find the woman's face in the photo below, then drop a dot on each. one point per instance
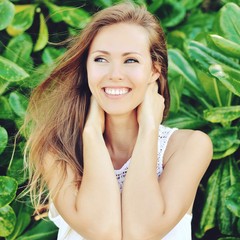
(119, 67)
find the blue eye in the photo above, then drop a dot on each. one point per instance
(131, 60)
(100, 59)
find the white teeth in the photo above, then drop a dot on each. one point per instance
(116, 91)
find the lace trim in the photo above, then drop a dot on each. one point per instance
(163, 137)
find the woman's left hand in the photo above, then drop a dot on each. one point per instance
(150, 111)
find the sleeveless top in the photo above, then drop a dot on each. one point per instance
(182, 231)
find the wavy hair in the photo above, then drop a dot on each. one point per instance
(58, 106)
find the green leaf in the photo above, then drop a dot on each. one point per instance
(42, 36)
(3, 86)
(223, 139)
(229, 177)
(42, 230)
(233, 199)
(176, 87)
(185, 122)
(10, 71)
(3, 139)
(180, 65)
(208, 217)
(6, 13)
(22, 20)
(24, 214)
(222, 114)
(215, 212)
(228, 47)
(50, 54)
(8, 220)
(6, 111)
(75, 17)
(171, 13)
(204, 56)
(229, 77)
(19, 50)
(189, 4)
(8, 188)
(228, 22)
(16, 170)
(228, 238)
(228, 152)
(18, 103)
(155, 4)
(214, 89)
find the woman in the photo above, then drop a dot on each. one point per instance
(96, 124)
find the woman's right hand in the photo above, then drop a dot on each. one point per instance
(95, 118)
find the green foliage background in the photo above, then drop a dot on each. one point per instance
(204, 51)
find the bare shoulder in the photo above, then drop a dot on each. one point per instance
(190, 141)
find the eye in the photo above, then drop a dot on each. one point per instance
(131, 60)
(100, 59)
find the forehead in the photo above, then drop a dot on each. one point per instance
(121, 37)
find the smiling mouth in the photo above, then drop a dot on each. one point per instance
(116, 91)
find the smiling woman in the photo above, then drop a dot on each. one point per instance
(112, 170)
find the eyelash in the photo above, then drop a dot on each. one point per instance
(100, 59)
(130, 60)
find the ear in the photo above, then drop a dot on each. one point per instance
(156, 71)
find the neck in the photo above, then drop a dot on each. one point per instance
(120, 137)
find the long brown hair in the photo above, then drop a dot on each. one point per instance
(58, 107)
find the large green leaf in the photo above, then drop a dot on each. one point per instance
(16, 170)
(19, 51)
(189, 4)
(6, 111)
(222, 114)
(228, 152)
(6, 13)
(18, 103)
(3, 139)
(208, 218)
(204, 56)
(214, 89)
(229, 177)
(176, 84)
(10, 71)
(229, 238)
(233, 199)
(171, 13)
(42, 35)
(24, 212)
(42, 230)
(8, 220)
(185, 122)
(180, 65)
(50, 54)
(215, 212)
(228, 47)
(223, 138)
(3, 86)
(229, 77)
(22, 20)
(75, 17)
(228, 22)
(8, 188)
(155, 4)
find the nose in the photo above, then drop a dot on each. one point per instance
(115, 72)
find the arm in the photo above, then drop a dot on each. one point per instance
(152, 206)
(94, 212)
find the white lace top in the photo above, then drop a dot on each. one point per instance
(182, 231)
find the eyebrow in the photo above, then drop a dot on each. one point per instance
(124, 54)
